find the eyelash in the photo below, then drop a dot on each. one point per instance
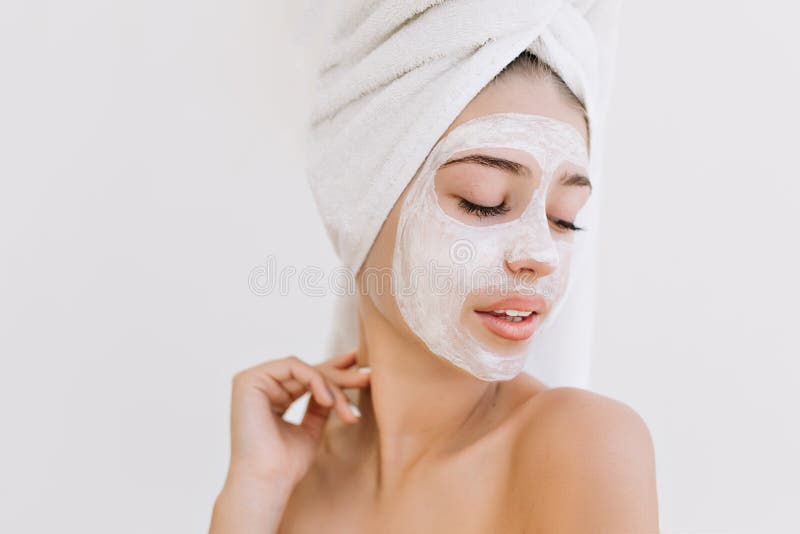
(567, 225)
(501, 209)
(483, 211)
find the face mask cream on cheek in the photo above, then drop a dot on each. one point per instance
(440, 263)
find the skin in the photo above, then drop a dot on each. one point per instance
(436, 449)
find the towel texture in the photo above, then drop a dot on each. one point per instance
(396, 75)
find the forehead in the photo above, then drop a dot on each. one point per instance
(550, 141)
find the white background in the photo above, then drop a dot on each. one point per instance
(151, 157)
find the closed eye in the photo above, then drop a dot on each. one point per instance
(483, 211)
(567, 225)
(501, 209)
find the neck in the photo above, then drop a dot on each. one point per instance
(418, 405)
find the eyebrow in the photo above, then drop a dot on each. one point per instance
(576, 179)
(490, 161)
(514, 167)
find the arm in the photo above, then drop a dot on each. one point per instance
(250, 505)
(596, 466)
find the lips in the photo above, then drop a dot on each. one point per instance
(515, 318)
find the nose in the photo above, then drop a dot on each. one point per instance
(537, 263)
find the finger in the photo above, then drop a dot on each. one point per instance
(266, 385)
(347, 378)
(342, 406)
(289, 369)
(295, 388)
(294, 375)
(279, 398)
(310, 377)
(315, 417)
(342, 361)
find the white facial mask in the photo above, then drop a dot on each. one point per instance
(439, 260)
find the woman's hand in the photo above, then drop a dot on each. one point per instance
(269, 456)
(264, 447)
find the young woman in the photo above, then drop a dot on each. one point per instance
(455, 443)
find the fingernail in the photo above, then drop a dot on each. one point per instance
(354, 409)
(364, 370)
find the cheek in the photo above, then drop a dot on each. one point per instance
(375, 280)
(554, 285)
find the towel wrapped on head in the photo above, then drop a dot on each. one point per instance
(393, 80)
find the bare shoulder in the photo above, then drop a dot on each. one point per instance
(568, 413)
(580, 450)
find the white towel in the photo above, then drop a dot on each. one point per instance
(395, 77)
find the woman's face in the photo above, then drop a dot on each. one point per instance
(480, 242)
